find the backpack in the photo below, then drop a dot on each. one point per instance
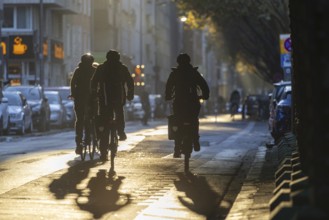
(185, 86)
(111, 84)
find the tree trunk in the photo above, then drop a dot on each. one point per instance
(310, 39)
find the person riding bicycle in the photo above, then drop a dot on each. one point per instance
(81, 93)
(110, 82)
(182, 87)
(234, 102)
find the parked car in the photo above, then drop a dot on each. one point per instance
(277, 95)
(38, 102)
(57, 109)
(282, 120)
(4, 114)
(134, 109)
(20, 113)
(64, 92)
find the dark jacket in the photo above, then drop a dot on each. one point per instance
(80, 82)
(185, 84)
(113, 83)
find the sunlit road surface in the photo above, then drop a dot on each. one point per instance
(41, 177)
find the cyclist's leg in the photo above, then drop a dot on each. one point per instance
(79, 111)
(177, 148)
(87, 125)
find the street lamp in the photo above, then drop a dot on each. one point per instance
(41, 80)
(182, 20)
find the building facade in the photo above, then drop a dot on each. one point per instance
(148, 34)
(144, 32)
(42, 40)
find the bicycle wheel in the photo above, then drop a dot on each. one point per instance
(90, 150)
(84, 152)
(113, 145)
(93, 147)
(187, 150)
(93, 143)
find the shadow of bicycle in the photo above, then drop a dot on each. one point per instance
(102, 196)
(199, 197)
(99, 195)
(67, 183)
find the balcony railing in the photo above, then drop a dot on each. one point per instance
(61, 5)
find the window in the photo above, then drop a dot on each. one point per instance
(8, 21)
(17, 17)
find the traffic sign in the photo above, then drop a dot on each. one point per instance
(286, 60)
(285, 43)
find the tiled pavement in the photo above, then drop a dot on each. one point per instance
(253, 200)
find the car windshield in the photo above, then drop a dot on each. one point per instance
(14, 100)
(52, 98)
(30, 93)
(64, 94)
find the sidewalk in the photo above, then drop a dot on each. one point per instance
(256, 192)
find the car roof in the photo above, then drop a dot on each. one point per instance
(51, 92)
(12, 92)
(17, 93)
(282, 83)
(24, 86)
(57, 88)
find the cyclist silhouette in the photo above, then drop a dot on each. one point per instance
(81, 93)
(113, 84)
(183, 85)
(234, 103)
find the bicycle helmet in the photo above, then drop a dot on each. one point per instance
(87, 58)
(113, 55)
(183, 58)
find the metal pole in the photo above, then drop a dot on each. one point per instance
(2, 60)
(41, 73)
(141, 32)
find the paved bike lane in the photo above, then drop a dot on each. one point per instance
(164, 197)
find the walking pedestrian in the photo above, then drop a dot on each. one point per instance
(145, 100)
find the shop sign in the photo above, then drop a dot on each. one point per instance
(21, 47)
(57, 50)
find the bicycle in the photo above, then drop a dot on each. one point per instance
(92, 146)
(182, 132)
(91, 123)
(186, 142)
(114, 143)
